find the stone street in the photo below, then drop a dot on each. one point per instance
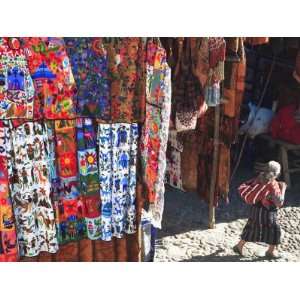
(185, 237)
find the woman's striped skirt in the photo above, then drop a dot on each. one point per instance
(262, 226)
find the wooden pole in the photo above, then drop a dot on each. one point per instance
(211, 207)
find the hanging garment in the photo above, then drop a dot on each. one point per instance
(71, 210)
(284, 125)
(189, 161)
(8, 239)
(30, 189)
(51, 72)
(89, 61)
(89, 175)
(155, 130)
(215, 56)
(117, 171)
(16, 86)
(186, 91)
(254, 41)
(127, 71)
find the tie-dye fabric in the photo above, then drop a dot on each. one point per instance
(16, 86)
(89, 175)
(89, 63)
(30, 189)
(117, 171)
(127, 71)
(8, 239)
(71, 210)
(53, 79)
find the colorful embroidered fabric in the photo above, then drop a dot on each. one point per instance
(30, 189)
(127, 76)
(53, 78)
(89, 175)
(71, 210)
(16, 86)
(155, 130)
(89, 63)
(8, 239)
(117, 171)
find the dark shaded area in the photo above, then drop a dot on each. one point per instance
(214, 257)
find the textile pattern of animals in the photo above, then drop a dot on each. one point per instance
(117, 171)
(8, 239)
(30, 189)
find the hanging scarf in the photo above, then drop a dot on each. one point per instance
(71, 210)
(53, 79)
(88, 175)
(155, 130)
(186, 90)
(89, 61)
(127, 76)
(117, 177)
(8, 240)
(30, 189)
(16, 86)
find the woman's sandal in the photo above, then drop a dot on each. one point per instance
(237, 250)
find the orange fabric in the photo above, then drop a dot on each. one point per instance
(254, 41)
(86, 250)
(104, 251)
(68, 253)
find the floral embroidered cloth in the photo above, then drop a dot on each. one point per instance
(155, 130)
(89, 175)
(70, 208)
(89, 63)
(53, 79)
(127, 76)
(117, 171)
(30, 189)
(8, 240)
(16, 86)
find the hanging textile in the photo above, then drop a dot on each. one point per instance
(8, 240)
(186, 89)
(173, 171)
(70, 211)
(210, 68)
(88, 175)
(117, 171)
(53, 80)
(16, 86)
(30, 189)
(89, 61)
(127, 77)
(254, 41)
(154, 135)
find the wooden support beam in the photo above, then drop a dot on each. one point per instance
(214, 174)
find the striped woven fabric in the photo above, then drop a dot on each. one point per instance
(253, 191)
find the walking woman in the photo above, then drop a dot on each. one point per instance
(266, 195)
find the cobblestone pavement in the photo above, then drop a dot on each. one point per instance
(185, 237)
